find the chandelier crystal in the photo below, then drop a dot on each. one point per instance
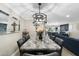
(39, 17)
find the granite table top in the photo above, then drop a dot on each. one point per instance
(47, 43)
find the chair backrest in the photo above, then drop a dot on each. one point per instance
(50, 54)
(59, 41)
(52, 37)
(21, 41)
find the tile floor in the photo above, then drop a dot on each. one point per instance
(66, 52)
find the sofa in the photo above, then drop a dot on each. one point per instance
(71, 44)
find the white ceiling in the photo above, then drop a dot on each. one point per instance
(56, 12)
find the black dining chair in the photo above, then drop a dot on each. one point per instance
(21, 41)
(60, 43)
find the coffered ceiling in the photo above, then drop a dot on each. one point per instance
(56, 12)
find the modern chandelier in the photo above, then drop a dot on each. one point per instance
(39, 17)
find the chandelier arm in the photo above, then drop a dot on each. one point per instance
(39, 7)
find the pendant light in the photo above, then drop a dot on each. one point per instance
(39, 17)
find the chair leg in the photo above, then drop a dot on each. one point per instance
(61, 51)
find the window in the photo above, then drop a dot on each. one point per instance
(3, 27)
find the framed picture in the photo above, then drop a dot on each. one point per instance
(15, 24)
(64, 27)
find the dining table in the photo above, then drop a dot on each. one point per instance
(35, 45)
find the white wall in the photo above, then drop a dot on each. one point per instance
(74, 30)
(31, 28)
(8, 42)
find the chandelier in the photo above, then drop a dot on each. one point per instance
(39, 17)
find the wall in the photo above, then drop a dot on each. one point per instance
(8, 42)
(29, 26)
(74, 30)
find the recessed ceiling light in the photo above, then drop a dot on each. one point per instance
(67, 16)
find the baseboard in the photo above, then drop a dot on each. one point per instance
(15, 53)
